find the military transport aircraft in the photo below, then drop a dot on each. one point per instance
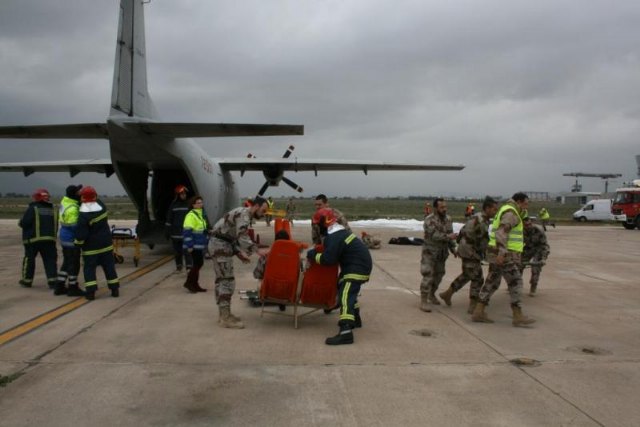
(148, 152)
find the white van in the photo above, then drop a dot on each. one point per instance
(595, 210)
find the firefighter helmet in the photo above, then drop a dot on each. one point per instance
(324, 217)
(88, 194)
(41, 195)
(181, 189)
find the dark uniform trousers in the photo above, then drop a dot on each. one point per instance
(180, 253)
(48, 251)
(348, 301)
(70, 265)
(108, 264)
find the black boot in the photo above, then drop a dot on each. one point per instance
(75, 291)
(90, 295)
(189, 286)
(115, 292)
(345, 336)
(358, 322)
(60, 289)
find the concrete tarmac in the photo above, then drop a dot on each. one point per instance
(156, 356)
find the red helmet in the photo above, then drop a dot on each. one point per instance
(88, 194)
(181, 189)
(41, 195)
(324, 216)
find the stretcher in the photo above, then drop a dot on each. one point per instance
(285, 283)
(123, 237)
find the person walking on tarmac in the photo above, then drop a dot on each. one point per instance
(536, 251)
(545, 217)
(173, 226)
(230, 237)
(290, 211)
(195, 237)
(93, 236)
(472, 246)
(39, 228)
(343, 247)
(439, 240)
(271, 205)
(506, 244)
(69, 213)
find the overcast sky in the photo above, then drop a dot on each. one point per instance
(518, 91)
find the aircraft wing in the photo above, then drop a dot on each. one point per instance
(174, 130)
(73, 167)
(70, 131)
(204, 130)
(315, 165)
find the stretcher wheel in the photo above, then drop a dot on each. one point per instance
(327, 310)
(136, 260)
(282, 307)
(118, 258)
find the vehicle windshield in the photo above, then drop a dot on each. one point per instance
(626, 197)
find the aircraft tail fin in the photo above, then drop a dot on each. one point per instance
(130, 95)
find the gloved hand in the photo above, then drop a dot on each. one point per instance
(243, 257)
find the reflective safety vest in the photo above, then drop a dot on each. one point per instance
(194, 230)
(544, 214)
(515, 239)
(69, 213)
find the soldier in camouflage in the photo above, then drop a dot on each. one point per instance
(536, 251)
(473, 239)
(229, 238)
(506, 244)
(322, 202)
(439, 240)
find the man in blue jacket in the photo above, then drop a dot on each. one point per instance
(341, 246)
(69, 213)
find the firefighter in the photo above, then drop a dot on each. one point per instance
(39, 227)
(173, 226)
(93, 236)
(343, 247)
(69, 212)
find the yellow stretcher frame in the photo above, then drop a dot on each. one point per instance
(123, 237)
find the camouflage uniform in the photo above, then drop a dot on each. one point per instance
(473, 240)
(510, 269)
(290, 211)
(315, 228)
(435, 251)
(536, 250)
(229, 237)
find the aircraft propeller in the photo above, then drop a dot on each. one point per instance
(275, 174)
